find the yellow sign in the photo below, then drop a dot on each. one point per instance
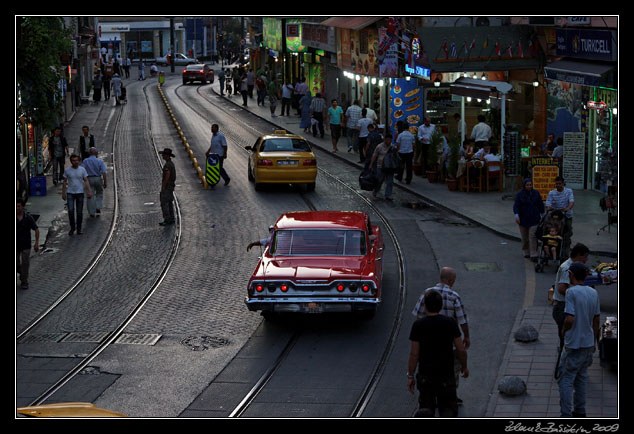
(544, 179)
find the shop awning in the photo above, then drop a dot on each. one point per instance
(478, 88)
(352, 23)
(577, 72)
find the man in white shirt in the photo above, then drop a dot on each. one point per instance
(481, 133)
(426, 131)
(75, 184)
(405, 147)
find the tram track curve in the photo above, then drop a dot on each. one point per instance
(111, 336)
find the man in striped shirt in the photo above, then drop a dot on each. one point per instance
(562, 198)
(451, 307)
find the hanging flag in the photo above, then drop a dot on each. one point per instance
(486, 42)
(444, 47)
(510, 49)
(521, 52)
(497, 48)
(453, 50)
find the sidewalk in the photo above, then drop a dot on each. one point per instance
(48, 208)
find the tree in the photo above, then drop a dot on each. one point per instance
(40, 44)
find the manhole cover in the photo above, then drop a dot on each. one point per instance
(481, 266)
(202, 343)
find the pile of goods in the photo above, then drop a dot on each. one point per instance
(603, 274)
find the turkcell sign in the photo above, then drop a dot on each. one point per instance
(418, 71)
(587, 44)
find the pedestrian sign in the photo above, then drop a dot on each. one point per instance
(212, 173)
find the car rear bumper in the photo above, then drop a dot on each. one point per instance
(312, 305)
(285, 176)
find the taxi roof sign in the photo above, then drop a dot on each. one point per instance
(279, 132)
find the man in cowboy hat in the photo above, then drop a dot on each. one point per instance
(167, 188)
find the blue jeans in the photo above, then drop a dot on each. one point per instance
(573, 380)
(75, 205)
(386, 176)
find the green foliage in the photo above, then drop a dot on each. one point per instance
(454, 156)
(40, 43)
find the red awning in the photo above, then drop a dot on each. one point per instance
(353, 23)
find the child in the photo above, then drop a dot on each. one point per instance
(553, 240)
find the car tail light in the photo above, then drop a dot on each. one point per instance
(284, 288)
(365, 288)
(310, 162)
(340, 287)
(259, 288)
(265, 163)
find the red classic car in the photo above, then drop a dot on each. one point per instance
(319, 261)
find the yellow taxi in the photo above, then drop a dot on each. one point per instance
(67, 409)
(282, 158)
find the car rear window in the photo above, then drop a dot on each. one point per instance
(319, 242)
(284, 144)
(194, 67)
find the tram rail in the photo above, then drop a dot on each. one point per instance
(376, 374)
(114, 334)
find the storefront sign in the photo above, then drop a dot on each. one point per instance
(418, 71)
(544, 173)
(574, 159)
(406, 104)
(294, 36)
(587, 44)
(272, 33)
(320, 37)
(387, 53)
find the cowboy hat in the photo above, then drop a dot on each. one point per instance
(167, 151)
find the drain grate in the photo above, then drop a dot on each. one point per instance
(202, 343)
(46, 337)
(85, 337)
(481, 266)
(138, 339)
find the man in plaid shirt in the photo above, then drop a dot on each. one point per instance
(452, 307)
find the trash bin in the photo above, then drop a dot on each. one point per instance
(38, 186)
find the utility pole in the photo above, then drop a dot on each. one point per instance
(172, 44)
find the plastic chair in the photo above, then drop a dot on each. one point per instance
(495, 174)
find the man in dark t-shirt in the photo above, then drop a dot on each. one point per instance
(432, 341)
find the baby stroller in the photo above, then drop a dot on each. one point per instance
(550, 239)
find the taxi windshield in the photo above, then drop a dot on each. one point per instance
(283, 144)
(319, 242)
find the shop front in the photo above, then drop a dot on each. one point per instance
(360, 70)
(485, 71)
(583, 106)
